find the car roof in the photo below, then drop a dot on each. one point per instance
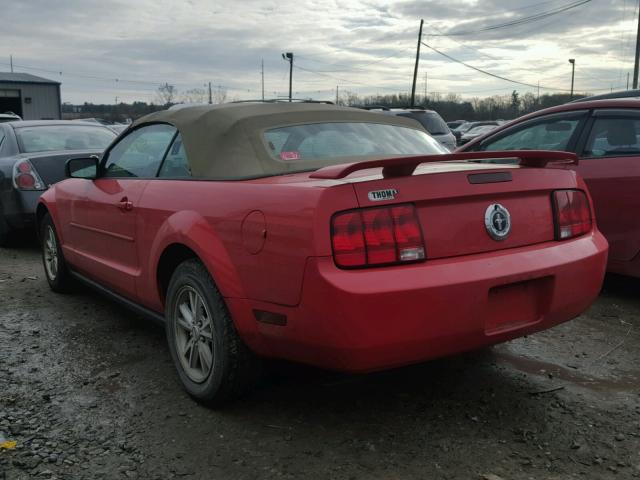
(43, 123)
(412, 110)
(225, 141)
(587, 105)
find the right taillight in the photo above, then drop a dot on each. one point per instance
(376, 236)
(572, 213)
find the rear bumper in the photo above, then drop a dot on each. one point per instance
(19, 207)
(364, 320)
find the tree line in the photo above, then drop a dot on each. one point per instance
(451, 106)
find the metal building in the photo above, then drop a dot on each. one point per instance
(31, 97)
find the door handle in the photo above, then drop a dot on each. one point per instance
(125, 205)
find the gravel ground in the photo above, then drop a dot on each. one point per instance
(87, 390)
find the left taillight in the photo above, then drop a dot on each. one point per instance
(371, 237)
(572, 213)
(25, 176)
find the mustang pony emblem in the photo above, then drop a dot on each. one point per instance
(497, 221)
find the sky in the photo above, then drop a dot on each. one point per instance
(101, 50)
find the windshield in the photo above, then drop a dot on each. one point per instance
(47, 138)
(330, 141)
(431, 121)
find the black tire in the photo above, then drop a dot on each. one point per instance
(234, 368)
(59, 278)
(6, 235)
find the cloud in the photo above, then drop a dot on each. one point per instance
(366, 46)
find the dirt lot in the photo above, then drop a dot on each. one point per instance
(87, 390)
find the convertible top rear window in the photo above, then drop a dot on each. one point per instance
(339, 140)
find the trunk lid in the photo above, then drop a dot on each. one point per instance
(452, 200)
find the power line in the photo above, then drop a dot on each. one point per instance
(344, 81)
(489, 73)
(116, 80)
(359, 67)
(520, 21)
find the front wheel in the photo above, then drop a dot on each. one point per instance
(55, 267)
(213, 362)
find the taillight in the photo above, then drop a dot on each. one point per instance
(572, 213)
(377, 236)
(25, 177)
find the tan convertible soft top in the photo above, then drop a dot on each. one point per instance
(226, 141)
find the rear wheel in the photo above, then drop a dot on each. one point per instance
(213, 362)
(55, 267)
(6, 235)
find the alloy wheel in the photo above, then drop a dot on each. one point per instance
(194, 334)
(51, 254)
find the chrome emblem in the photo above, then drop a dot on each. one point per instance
(381, 195)
(497, 220)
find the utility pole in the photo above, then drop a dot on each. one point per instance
(572, 61)
(289, 56)
(11, 62)
(262, 72)
(337, 94)
(415, 70)
(210, 96)
(116, 100)
(635, 65)
(627, 80)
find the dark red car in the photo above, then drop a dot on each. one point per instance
(605, 134)
(322, 235)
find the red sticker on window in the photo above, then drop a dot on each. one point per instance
(294, 155)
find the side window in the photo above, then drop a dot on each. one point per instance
(550, 134)
(175, 164)
(613, 137)
(140, 153)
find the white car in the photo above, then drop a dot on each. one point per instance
(429, 119)
(9, 117)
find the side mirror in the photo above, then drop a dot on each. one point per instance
(82, 167)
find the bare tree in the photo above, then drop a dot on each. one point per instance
(453, 98)
(195, 95)
(167, 94)
(219, 95)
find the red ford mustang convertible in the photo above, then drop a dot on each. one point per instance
(331, 236)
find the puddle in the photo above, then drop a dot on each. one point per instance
(625, 383)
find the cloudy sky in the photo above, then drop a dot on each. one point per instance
(103, 49)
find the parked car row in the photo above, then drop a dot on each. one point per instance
(325, 235)
(467, 131)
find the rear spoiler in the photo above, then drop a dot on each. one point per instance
(405, 166)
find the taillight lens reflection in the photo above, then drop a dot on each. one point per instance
(377, 236)
(573, 213)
